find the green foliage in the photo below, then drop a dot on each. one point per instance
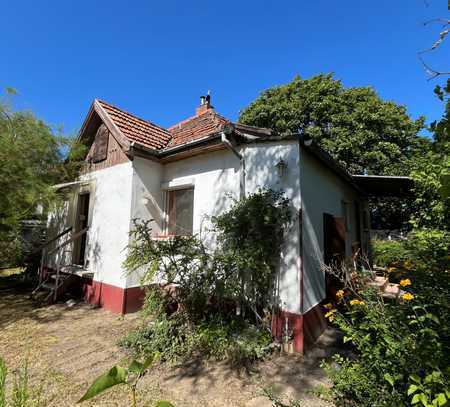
(118, 375)
(31, 161)
(176, 338)
(396, 343)
(250, 235)
(276, 399)
(431, 173)
(360, 130)
(212, 302)
(22, 394)
(389, 252)
(3, 373)
(430, 247)
(431, 204)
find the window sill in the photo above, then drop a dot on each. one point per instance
(168, 237)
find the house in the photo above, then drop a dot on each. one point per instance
(179, 176)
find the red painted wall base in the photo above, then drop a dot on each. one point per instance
(116, 299)
(305, 328)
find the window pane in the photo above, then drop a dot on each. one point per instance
(181, 211)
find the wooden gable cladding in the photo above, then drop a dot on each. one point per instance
(100, 151)
(104, 145)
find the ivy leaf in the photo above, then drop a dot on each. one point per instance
(441, 399)
(116, 375)
(415, 378)
(389, 379)
(416, 398)
(412, 389)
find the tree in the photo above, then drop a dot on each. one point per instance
(363, 132)
(431, 206)
(31, 161)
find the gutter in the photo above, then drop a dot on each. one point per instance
(242, 172)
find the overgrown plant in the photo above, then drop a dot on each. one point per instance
(118, 375)
(402, 348)
(22, 394)
(212, 301)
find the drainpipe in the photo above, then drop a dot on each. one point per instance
(227, 142)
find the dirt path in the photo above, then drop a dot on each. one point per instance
(67, 348)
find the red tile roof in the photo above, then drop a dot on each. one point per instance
(205, 123)
(135, 129)
(196, 127)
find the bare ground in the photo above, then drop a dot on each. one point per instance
(67, 348)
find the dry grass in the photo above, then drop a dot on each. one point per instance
(67, 348)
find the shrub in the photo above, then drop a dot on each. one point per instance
(222, 294)
(389, 252)
(396, 344)
(429, 247)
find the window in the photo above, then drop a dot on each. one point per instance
(180, 210)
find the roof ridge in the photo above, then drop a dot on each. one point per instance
(133, 115)
(210, 111)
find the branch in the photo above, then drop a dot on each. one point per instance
(430, 71)
(442, 35)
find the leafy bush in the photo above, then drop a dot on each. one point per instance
(389, 252)
(402, 349)
(429, 247)
(176, 339)
(212, 302)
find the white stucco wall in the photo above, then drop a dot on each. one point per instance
(109, 222)
(322, 192)
(261, 160)
(216, 180)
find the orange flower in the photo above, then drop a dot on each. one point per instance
(405, 282)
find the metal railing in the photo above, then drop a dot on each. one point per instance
(46, 253)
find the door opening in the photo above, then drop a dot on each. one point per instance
(81, 222)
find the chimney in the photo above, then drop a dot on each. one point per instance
(205, 104)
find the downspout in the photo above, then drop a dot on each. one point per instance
(242, 172)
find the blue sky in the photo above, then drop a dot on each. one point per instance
(156, 58)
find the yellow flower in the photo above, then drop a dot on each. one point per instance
(391, 269)
(330, 314)
(356, 302)
(405, 282)
(328, 306)
(408, 296)
(340, 294)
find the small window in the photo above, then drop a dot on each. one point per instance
(180, 210)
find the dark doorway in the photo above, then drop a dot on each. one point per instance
(81, 223)
(334, 248)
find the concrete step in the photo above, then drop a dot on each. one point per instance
(379, 282)
(392, 291)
